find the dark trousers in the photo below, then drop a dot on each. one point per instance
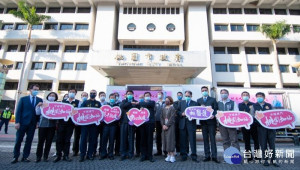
(88, 135)
(109, 133)
(45, 135)
(77, 133)
(127, 140)
(99, 132)
(158, 131)
(267, 136)
(146, 131)
(189, 133)
(6, 122)
(137, 140)
(177, 137)
(247, 134)
(63, 141)
(209, 136)
(117, 137)
(29, 131)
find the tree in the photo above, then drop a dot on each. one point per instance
(30, 17)
(275, 32)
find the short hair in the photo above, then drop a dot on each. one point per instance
(179, 93)
(32, 85)
(171, 99)
(112, 94)
(204, 87)
(93, 90)
(56, 96)
(65, 95)
(225, 91)
(73, 89)
(161, 93)
(83, 93)
(260, 93)
(245, 92)
(188, 91)
(117, 94)
(129, 91)
(101, 92)
(147, 93)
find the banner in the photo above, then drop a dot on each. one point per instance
(56, 110)
(274, 99)
(198, 112)
(234, 119)
(276, 119)
(87, 116)
(111, 114)
(138, 117)
(137, 93)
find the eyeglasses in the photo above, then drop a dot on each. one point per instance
(92, 93)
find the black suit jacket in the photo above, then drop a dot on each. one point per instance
(210, 101)
(183, 121)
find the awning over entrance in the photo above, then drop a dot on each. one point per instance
(149, 67)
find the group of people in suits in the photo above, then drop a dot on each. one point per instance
(174, 131)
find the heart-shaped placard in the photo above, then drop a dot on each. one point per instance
(138, 117)
(111, 114)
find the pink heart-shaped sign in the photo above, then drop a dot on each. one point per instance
(111, 114)
(138, 117)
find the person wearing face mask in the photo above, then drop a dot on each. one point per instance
(229, 135)
(26, 121)
(127, 131)
(209, 126)
(160, 104)
(5, 118)
(117, 142)
(66, 96)
(146, 130)
(46, 133)
(265, 136)
(109, 133)
(246, 106)
(65, 130)
(88, 132)
(187, 128)
(77, 129)
(177, 136)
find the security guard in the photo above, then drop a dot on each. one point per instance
(5, 118)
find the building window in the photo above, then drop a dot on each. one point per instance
(81, 66)
(237, 27)
(293, 51)
(250, 50)
(235, 68)
(252, 27)
(266, 68)
(219, 11)
(83, 49)
(21, 27)
(51, 26)
(12, 48)
(250, 10)
(22, 48)
(235, 11)
(233, 50)
(265, 11)
(252, 68)
(84, 10)
(131, 27)
(263, 50)
(37, 27)
(296, 28)
(50, 66)
(54, 10)
(221, 67)
(294, 69)
(19, 65)
(171, 27)
(67, 86)
(281, 51)
(177, 10)
(1, 10)
(284, 68)
(153, 11)
(37, 66)
(219, 50)
(125, 10)
(11, 86)
(221, 27)
(7, 26)
(53, 48)
(41, 48)
(167, 10)
(70, 48)
(163, 10)
(66, 26)
(67, 66)
(280, 11)
(151, 27)
(294, 11)
(40, 10)
(140, 11)
(69, 10)
(82, 27)
(43, 86)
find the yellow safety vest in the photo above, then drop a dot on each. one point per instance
(6, 114)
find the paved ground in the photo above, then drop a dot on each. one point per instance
(7, 143)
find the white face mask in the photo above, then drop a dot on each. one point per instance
(51, 99)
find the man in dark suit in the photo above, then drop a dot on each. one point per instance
(187, 128)
(26, 122)
(209, 126)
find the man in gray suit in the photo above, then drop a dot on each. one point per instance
(209, 126)
(187, 128)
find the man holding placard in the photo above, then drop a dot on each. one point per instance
(209, 126)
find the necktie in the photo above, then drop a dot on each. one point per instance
(33, 101)
(187, 104)
(204, 99)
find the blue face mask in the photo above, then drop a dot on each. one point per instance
(102, 98)
(159, 96)
(84, 98)
(72, 95)
(224, 96)
(141, 100)
(179, 97)
(260, 99)
(112, 101)
(147, 98)
(187, 98)
(129, 97)
(245, 98)
(35, 92)
(92, 96)
(205, 93)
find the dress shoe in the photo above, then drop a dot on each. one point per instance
(266, 163)
(6, 133)
(111, 157)
(102, 157)
(215, 160)
(183, 159)
(25, 160)
(137, 155)
(275, 164)
(66, 158)
(75, 154)
(122, 158)
(206, 159)
(152, 160)
(38, 160)
(195, 160)
(131, 158)
(117, 154)
(142, 159)
(158, 154)
(89, 158)
(81, 159)
(45, 159)
(15, 160)
(57, 159)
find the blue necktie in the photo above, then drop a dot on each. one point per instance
(33, 101)
(187, 104)
(204, 99)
